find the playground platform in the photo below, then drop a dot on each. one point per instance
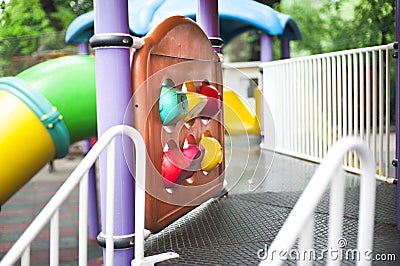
(233, 230)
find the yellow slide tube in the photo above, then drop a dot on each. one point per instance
(238, 118)
(25, 145)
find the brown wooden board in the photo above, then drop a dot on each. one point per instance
(177, 49)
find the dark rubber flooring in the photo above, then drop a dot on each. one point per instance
(235, 230)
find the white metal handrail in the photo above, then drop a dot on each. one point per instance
(301, 219)
(316, 100)
(21, 248)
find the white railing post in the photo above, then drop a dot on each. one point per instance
(336, 209)
(306, 242)
(110, 203)
(26, 257)
(140, 208)
(54, 238)
(83, 219)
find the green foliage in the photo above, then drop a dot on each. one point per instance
(80, 7)
(374, 22)
(342, 24)
(20, 18)
(327, 25)
(33, 26)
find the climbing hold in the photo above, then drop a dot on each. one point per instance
(172, 104)
(213, 153)
(213, 105)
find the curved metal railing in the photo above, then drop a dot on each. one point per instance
(300, 222)
(21, 248)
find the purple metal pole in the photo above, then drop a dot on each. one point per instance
(208, 18)
(285, 49)
(398, 111)
(113, 93)
(266, 48)
(83, 49)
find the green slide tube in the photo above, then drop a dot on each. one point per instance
(42, 111)
(69, 84)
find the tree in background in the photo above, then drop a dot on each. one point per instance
(327, 25)
(374, 22)
(33, 26)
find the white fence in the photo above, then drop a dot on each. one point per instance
(300, 222)
(317, 100)
(21, 248)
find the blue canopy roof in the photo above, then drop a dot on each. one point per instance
(236, 17)
(81, 28)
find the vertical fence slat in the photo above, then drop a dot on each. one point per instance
(334, 101)
(339, 97)
(374, 102)
(344, 102)
(298, 105)
(387, 91)
(324, 109)
(320, 103)
(284, 104)
(362, 96)
(356, 104)
(284, 107)
(293, 93)
(293, 107)
(318, 108)
(83, 219)
(288, 140)
(315, 108)
(310, 100)
(329, 100)
(303, 107)
(110, 203)
(381, 113)
(307, 106)
(350, 104)
(26, 257)
(368, 98)
(54, 238)
(284, 134)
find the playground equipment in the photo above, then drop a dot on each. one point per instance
(40, 116)
(238, 117)
(161, 60)
(236, 17)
